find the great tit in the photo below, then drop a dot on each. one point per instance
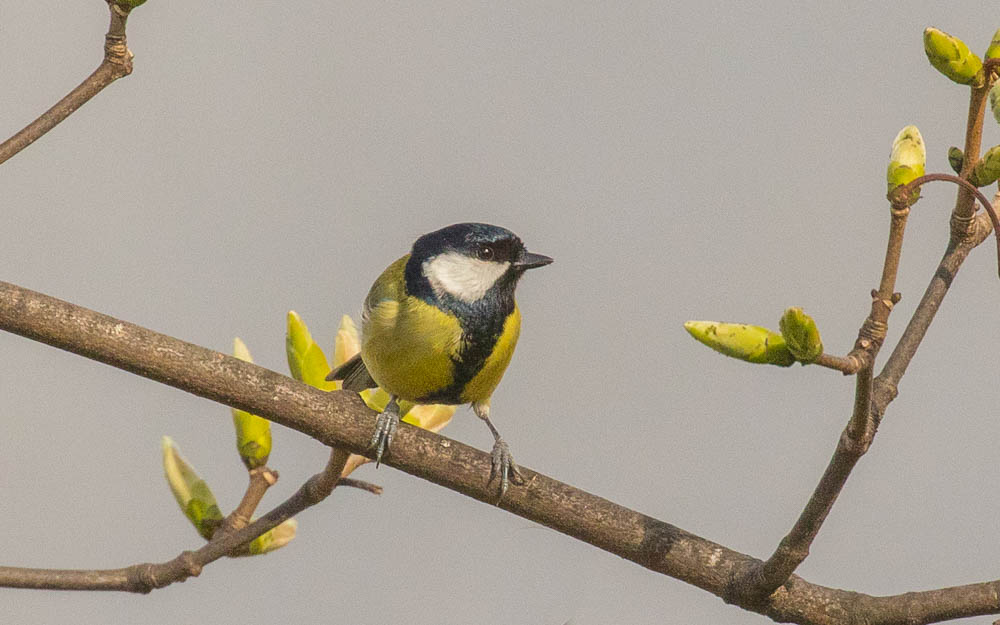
(439, 326)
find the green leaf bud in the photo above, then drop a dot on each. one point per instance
(306, 359)
(995, 101)
(993, 51)
(744, 342)
(253, 433)
(193, 495)
(956, 159)
(950, 56)
(431, 417)
(801, 335)
(987, 170)
(907, 159)
(347, 343)
(273, 539)
(128, 5)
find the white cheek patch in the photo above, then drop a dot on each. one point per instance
(466, 279)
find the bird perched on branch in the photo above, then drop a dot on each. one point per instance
(439, 326)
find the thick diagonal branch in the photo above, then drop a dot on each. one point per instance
(340, 419)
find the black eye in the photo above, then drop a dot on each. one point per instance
(485, 252)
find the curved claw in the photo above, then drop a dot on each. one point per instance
(502, 465)
(385, 429)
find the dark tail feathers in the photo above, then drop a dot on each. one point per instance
(354, 374)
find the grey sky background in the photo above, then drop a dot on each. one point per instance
(679, 161)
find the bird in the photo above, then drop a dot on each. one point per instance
(439, 326)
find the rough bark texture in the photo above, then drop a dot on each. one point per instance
(341, 419)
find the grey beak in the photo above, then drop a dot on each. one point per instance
(530, 261)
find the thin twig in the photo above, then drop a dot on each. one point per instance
(261, 479)
(887, 381)
(374, 489)
(117, 63)
(964, 203)
(893, 252)
(848, 365)
(760, 581)
(143, 578)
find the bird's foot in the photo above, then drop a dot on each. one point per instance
(503, 467)
(385, 429)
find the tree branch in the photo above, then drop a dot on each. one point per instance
(117, 63)
(761, 580)
(144, 578)
(340, 419)
(848, 365)
(886, 384)
(261, 479)
(961, 225)
(965, 202)
(374, 489)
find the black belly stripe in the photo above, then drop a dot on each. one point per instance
(482, 324)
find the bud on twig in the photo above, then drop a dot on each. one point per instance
(993, 52)
(253, 433)
(907, 159)
(950, 56)
(956, 159)
(801, 335)
(995, 101)
(431, 417)
(347, 343)
(306, 359)
(193, 495)
(273, 539)
(987, 170)
(744, 342)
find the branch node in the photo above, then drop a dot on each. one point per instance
(192, 568)
(269, 475)
(856, 441)
(142, 579)
(963, 227)
(145, 578)
(872, 331)
(116, 50)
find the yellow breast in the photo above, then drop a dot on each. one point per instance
(408, 347)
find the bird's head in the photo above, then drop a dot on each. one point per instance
(468, 260)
